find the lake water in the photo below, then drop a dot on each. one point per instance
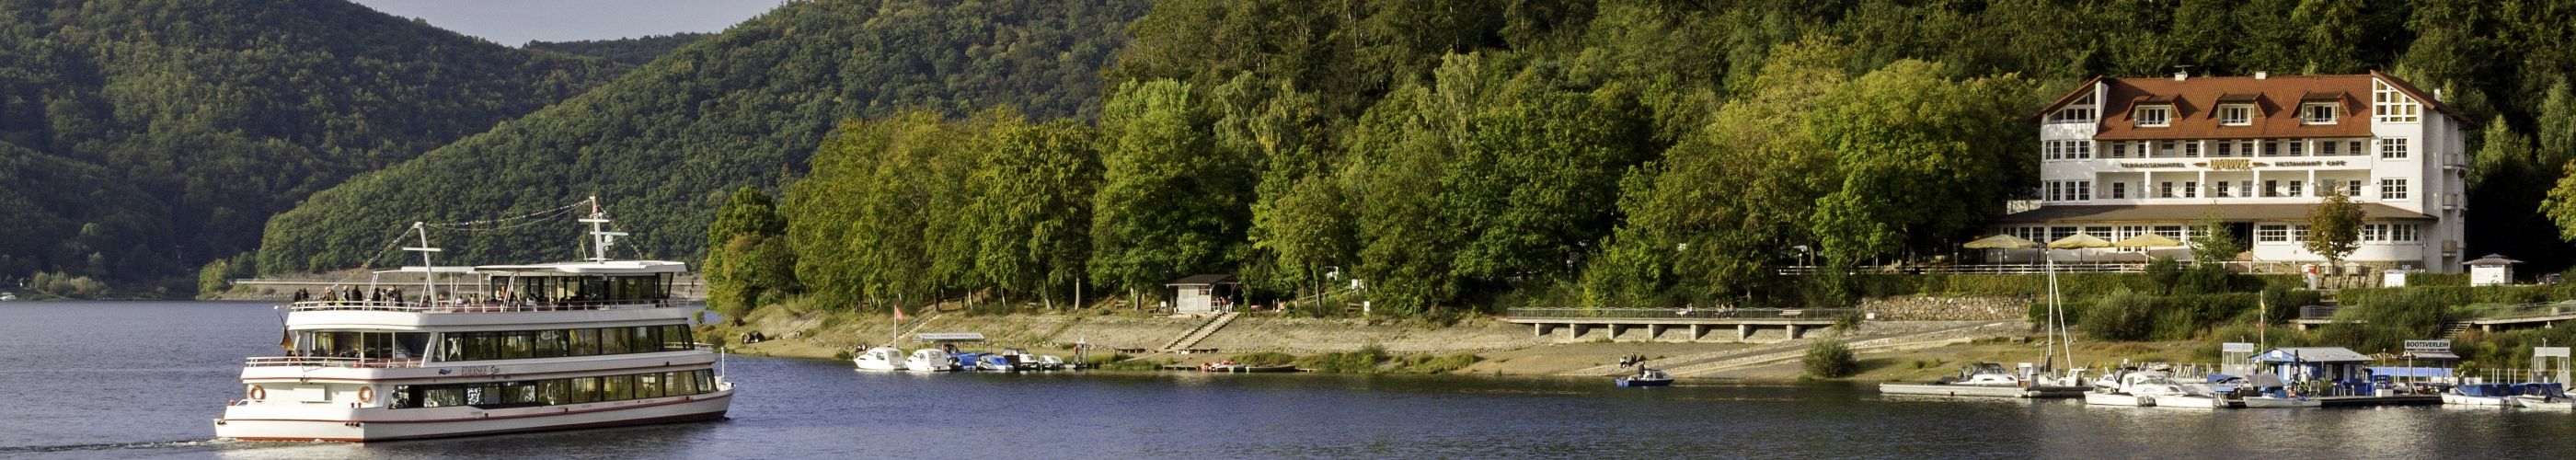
(145, 379)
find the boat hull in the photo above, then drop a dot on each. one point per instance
(2187, 402)
(2116, 399)
(2540, 403)
(1979, 390)
(374, 425)
(2466, 400)
(1628, 382)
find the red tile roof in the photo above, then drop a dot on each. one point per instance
(2276, 100)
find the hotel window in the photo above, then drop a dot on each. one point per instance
(2245, 189)
(2119, 190)
(2374, 233)
(2298, 232)
(2083, 149)
(2119, 150)
(2392, 189)
(2294, 189)
(2235, 115)
(2191, 149)
(2059, 233)
(2072, 115)
(2165, 149)
(2246, 146)
(2171, 231)
(2226, 149)
(2326, 149)
(2155, 115)
(2402, 233)
(2272, 148)
(2317, 113)
(2356, 148)
(2166, 191)
(2272, 188)
(2391, 105)
(2393, 149)
(2190, 189)
(2352, 188)
(2051, 150)
(2298, 147)
(2271, 233)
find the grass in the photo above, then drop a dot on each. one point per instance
(1427, 364)
(1364, 361)
(1267, 358)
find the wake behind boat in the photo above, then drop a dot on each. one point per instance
(519, 348)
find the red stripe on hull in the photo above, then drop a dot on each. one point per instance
(505, 417)
(708, 416)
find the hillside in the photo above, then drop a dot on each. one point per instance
(145, 139)
(666, 143)
(628, 51)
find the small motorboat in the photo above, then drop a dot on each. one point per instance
(1646, 378)
(2544, 396)
(2144, 389)
(2484, 394)
(1230, 366)
(998, 363)
(1030, 362)
(880, 359)
(930, 360)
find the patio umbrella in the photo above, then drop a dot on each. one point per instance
(2078, 241)
(2000, 242)
(2147, 240)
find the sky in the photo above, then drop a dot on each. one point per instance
(515, 22)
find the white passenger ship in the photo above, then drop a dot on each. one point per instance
(493, 349)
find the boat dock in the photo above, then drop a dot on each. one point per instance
(1981, 391)
(1692, 324)
(2376, 401)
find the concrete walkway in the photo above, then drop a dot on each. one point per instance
(1947, 332)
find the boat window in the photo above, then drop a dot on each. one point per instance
(443, 396)
(617, 388)
(585, 342)
(515, 345)
(402, 397)
(684, 382)
(675, 337)
(550, 343)
(585, 389)
(648, 386)
(641, 338)
(554, 391)
(613, 341)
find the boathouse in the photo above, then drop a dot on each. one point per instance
(2337, 365)
(1203, 294)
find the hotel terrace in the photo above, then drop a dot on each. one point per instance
(2121, 157)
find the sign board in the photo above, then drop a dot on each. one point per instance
(2428, 345)
(2236, 347)
(2548, 352)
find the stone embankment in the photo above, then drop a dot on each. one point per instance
(1945, 308)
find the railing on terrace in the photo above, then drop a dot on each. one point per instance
(2528, 310)
(1678, 313)
(325, 361)
(485, 306)
(2318, 312)
(1981, 269)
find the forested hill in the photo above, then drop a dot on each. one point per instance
(142, 139)
(629, 51)
(664, 144)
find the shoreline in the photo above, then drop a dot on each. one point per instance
(1886, 350)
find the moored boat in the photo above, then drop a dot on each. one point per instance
(2543, 396)
(1646, 378)
(1981, 379)
(2140, 389)
(930, 360)
(519, 348)
(880, 359)
(2483, 394)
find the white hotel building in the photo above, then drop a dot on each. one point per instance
(2126, 156)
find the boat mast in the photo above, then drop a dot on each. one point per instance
(428, 271)
(600, 237)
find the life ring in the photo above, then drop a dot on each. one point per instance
(257, 393)
(366, 394)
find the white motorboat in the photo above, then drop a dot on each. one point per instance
(880, 359)
(2487, 394)
(518, 348)
(930, 360)
(1029, 362)
(1982, 379)
(2142, 389)
(2543, 396)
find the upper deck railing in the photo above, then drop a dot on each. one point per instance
(325, 361)
(482, 306)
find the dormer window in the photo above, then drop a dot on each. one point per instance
(2236, 115)
(2154, 115)
(2317, 113)
(2080, 111)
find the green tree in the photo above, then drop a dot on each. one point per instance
(1037, 186)
(752, 265)
(2212, 242)
(1170, 202)
(1917, 153)
(2334, 226)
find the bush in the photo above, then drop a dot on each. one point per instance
(2164, 273)
(2120, 316)
(1427, 364)
(1364, 361)
(1267, 358)
(1831, 359)
(2282, 303)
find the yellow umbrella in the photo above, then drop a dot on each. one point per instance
(2078, 241)
(2000, 242)
(2147, 240)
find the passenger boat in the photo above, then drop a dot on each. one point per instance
(518, 348)
(1646, 378)
(880, 359)
(930, 360)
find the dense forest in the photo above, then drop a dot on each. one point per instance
(1576, 152)
(628, 51)
(141, 140)
(666, 144)
(1453, 156)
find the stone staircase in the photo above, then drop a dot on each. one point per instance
(1197, 334)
